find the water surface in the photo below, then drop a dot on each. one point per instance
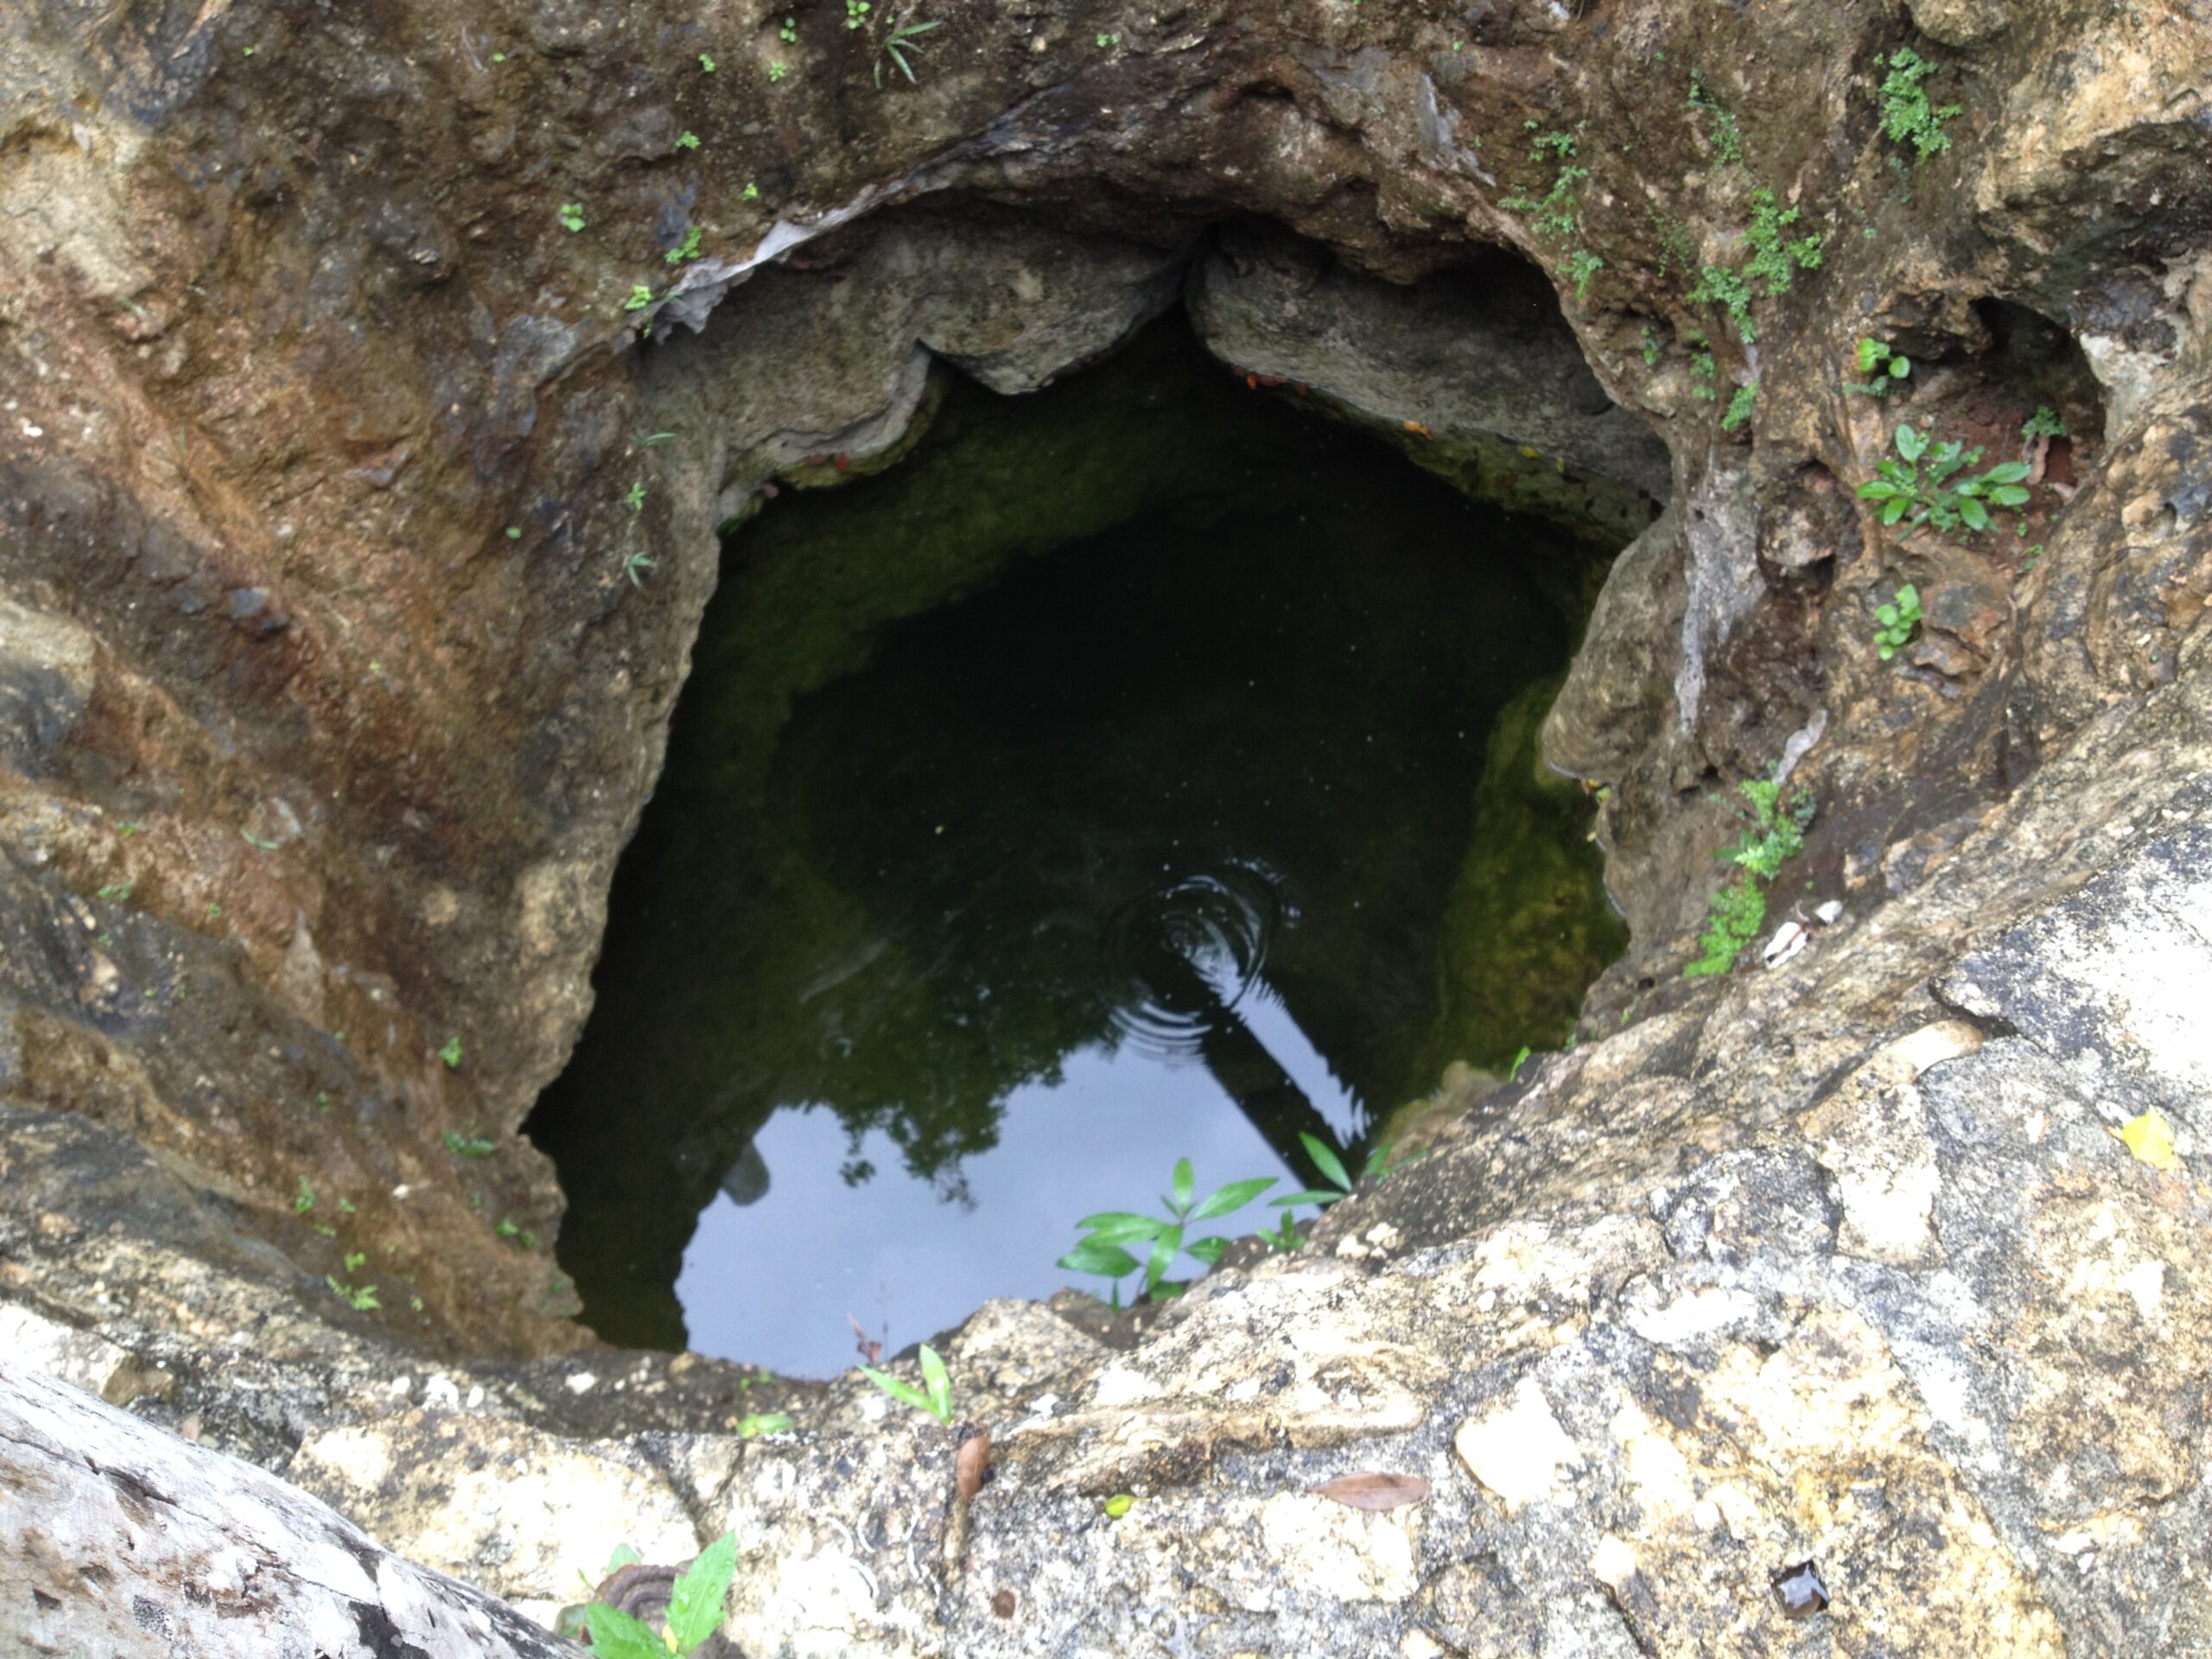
(1102, 786)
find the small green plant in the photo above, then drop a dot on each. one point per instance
(1771, 269)
(1907, 116)
(756, 1423)
(635, 565)
(751, 193)
(346, 1207)
(778, 69)
(1704, 372)
(362, 1299)
(694, 1611)
(466, 1146)
(1883, 368)
(1557, 216)
(1382, 1163)
(1581, 266)
(1652, 347)
(1119, 1505)
(1721, 131)
(1740, 407)
(514, 532)
(1772, 835)
(128, 828)
(1102, 1252)
(2045, 423)
(572, 215)
(1558, 213)
(1107, 40)
(934, 1396)
(857, 13)
(1283, 1237)
(687, 249)
(898, 43)
(640, 297)
(687, 141)
(451, 1053)
(304, 1201)
(1896, 620)
(635, 497)
(510, 1229)
(1922, 485)
(706, 64)
(118, 891)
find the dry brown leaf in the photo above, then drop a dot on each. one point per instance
(1374, 1491)
(973, 1463)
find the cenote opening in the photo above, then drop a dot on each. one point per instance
(1143, 768)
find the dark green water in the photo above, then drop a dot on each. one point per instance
(1140, 769)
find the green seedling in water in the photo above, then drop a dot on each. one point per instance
(695, 1610)
(934, 1396)
(1102, 1252)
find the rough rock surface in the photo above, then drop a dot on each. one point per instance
(325, 704)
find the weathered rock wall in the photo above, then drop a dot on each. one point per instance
(329, 694)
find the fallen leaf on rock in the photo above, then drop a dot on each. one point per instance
(2151, 1138)
(973, 1466)
(1376, 1492)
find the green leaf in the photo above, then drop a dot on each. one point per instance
(2010, 473)
(1911, 444)
(2009, 495)
(1877, 489)
(1185, 1185)
(695, 1606)
(1888, 652)
(1164, 1252)
(626, 1554)
(1326, 1159)
(1119, 1226)
(1235, 1196)
(1908, 598)
(1312, 1196)
(904, 1393)
(1208, 1250)
(1974, 513)
(1900, 367)
(940, 1384)
(763, 1423)
(615, 1635)
(1886, 615)
(1895, 511)
(1109, 1261)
